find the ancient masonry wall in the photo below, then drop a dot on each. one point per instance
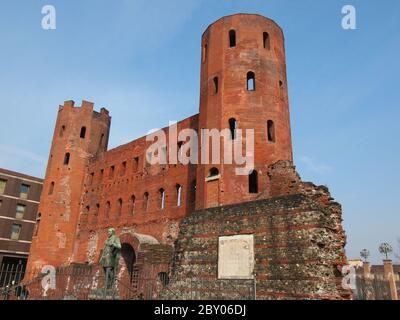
(298, 247)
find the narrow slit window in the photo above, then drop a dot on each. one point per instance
(266, 40)
(281, 89)
(253, 182)
(83, 133)
(133, 201)
(162, 198)
(108, 208)
(270, 131)
(216, 85)
(178, 195)
(146, 201)
(119, 207)
(205, 52)
(62, 130)
(135, 164)
(96, 213)
(51, 189)
(37, 225)
(67, 158)
(232, 38)
(233, 127)
(251, 81)
(112, 169)
(123, 168)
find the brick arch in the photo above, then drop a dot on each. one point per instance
(136, 240)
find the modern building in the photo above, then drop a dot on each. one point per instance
(19, 201)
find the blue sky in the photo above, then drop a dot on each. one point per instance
(140, 59)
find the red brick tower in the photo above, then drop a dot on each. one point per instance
(80, 134)
(243, 86)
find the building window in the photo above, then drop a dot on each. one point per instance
(178, 195)
(3, 184)
(270, 131)
(83, 132)
(101, 140)
(108, 209)
(214, 172)
(280, 89)
(20, 211)
(62, 130)
(37, 225)
(132, 205)
(215, 80)
(24, 191)
(119, 207)
(146, 201)
(232, 38)
(135, 164)
(253, 182)
(101, 175)
(91, 178)
(162, 198)
(87, 209)
(111, 175)
(123, 168)
(266, 42)
(66, 158)
(233, 127)
(205, 52)
(51, 189)
(251, 81)
(15, 231)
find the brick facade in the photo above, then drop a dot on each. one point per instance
(243, 86)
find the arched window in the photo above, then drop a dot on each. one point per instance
(178, 195)
(119, 207)
(62, 130)
(270, 131)
(108, 209)
(96, 213)
(233, 127)
(162, 198)
(101, 140)
(83, 132)
(87, 209)
(281, 89)
(145, 201)
(251, 81)
(38, 219)
(232, 38)
(215, 85)
(266, 42)
(253, 182)
(66, 158)
(132, 205)
(51, 189)
(205, 52)
(213, 172)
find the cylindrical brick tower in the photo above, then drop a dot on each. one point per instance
(79, 135)
(243, 86)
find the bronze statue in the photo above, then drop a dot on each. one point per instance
(110, 257)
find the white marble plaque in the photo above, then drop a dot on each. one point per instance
(236, 257)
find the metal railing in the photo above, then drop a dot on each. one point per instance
(88, 283)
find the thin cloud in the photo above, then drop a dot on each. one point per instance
(10, 151)
(315, 166)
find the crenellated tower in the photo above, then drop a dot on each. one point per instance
(243, 86)
(80, 134)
